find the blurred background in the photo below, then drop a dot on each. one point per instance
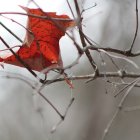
(26, 116)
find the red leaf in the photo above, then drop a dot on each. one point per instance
(41, 49)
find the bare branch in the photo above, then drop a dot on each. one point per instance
(121, 90)
(21, 61)
(81, 50)
(11, 32)
(32, 85)
(61, 28)
(83, 39)
(120, 57)
(120, 105)
(70, 9)
(36, 16)
(117, 51)
(137, 26)
(69, 105)
(124, 74)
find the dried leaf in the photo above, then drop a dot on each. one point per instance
(41, 45)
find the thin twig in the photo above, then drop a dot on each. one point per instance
(137, 26)
(50, 103)
(29, 31)
(61, 28)
(117, 51)
(35, 16)
(11, 32)
(21, 61)
(85, 9)
(28, 82)
(100, 75)
(119, 108)
(9, 49)
(65, 114)
(70, 9)
(120, 57)
(83, 39)
(121, 90)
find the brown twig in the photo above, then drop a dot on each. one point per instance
(86, 9)
(137, 26)
(50, 103)
(83, 38)
(35, 16)
(125, 53)
(65, 114)
(61, 28)
(100, 75)
(29, 31)
(20, 60)
(30, 83)
(70, 9)
(11, 32)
